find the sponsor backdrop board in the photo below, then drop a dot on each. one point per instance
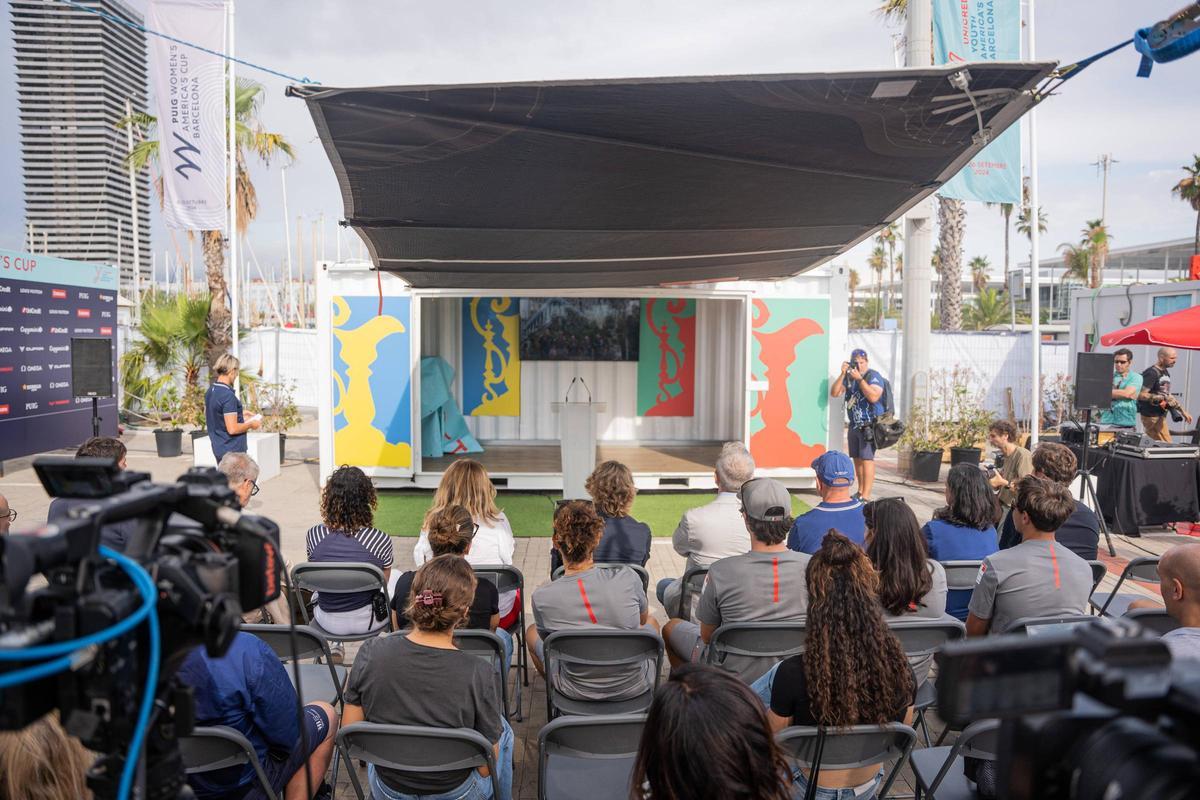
(45, 301)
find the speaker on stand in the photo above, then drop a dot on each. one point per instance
(1093, 392)
(91, 372)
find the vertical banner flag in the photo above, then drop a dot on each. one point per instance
(666, 385)
(189, 86)
(491, 357)
(982, 30)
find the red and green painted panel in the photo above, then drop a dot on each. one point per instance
(666, 385)
(789, 422)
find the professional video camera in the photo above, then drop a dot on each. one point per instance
(1093, 713)
(191, 565)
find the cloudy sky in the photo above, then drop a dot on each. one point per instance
(1149, 126)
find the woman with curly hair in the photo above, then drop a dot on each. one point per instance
(853, 670)
(42, 762)
(707, 738)
(346, 533)
(625, 540)
(965, 528)
(466, 483)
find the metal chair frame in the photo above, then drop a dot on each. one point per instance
(355, 742)
(506, 577)
(897, 742)
(968, 745)
(302, 578)
(475, 641)
(924, 637)
(558, 735)
(1143, 569)
(787, 639)
(600, 639)
(230, 739)
(685, 590)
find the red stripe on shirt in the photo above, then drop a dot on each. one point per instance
(586, 603)
(775, 569)
(1054, 559)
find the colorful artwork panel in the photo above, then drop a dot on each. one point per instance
(666, 385)
(491, 357)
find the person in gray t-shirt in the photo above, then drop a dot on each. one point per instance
(585, 596)
(1037, 578)
(1179, 584)
(767, 584)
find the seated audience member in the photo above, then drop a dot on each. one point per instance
(346, 533)
(242, 473)
(8, 515)
(713, 531)
(583, 597)
(965, 528)
(1081, 532)
(466, 483)
(911, 585)
(1179, 581)
(41, 762)
(419, 677)
(248, 690)
(1039, 577)
(450, 533)
(114, 535)
(1017, 462)
(837, 509)
(765, 585)
(853, 670)
(707, 738)
(625, 540)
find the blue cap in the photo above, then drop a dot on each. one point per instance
(858, 352)
(834, 468)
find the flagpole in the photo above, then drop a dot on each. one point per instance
(233, 233)
(1035, 408)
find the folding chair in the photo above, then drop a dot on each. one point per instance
(1155, 620)
(1113, 603)
(507, 578)
(580, 758)
(338, 577)
(1035, 626)
(593, 652)
(961, 575)
(487, 645)
(940, 770)
(414, 748)
(638, 568)
(1099, 570)
(322, 680)
(219, 747)
(920, 638)
(767, 642)
(849, 748)
(690, 585)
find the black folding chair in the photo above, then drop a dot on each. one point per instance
(961, 575)
(580, 758)
(1156, 620)
(1036, 626)
(219, 747)
(1114, 603)
(690, 585)
(766, 642)
(413, 748)
(638, 568)
(940, 771)
(599, 652)
(487, 645)
(849, 748)
(507, 578)
(1099, 570)
(338, 577)
(922, 638)
(322, 680)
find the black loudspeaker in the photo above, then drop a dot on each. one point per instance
(1093, 381)
(91, 367)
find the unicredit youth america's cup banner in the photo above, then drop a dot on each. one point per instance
(982, 30)
(192, 126)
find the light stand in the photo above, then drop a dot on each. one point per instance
(1087, 490)
(96, 418)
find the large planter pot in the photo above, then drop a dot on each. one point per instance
(926, 464)
(194, 435)
(168, 442)
(282, 445)
(965, 455)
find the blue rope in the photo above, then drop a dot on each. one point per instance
(227, 57)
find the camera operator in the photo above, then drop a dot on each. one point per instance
(1179, 582)
(1155, 399)
(113, 534)
(7, 515)
(863, 388)
(1017, 461)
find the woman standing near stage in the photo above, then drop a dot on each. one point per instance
(223, 411)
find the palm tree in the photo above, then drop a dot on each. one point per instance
(174, 334)
(952, 217)
(251, 139)
(888, 238)
(989, 310)
(1006, 210)
(854, 282)
(1095, 237)
(979, 266)
(877, 261)
(1188, 190)
(1023, 224)
(1077, 261)
(867, 315)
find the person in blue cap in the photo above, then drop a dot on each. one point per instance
(838, 510)
(863, 389)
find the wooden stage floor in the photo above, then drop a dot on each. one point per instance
(512, 459)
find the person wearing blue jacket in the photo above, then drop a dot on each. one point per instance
(965, 528)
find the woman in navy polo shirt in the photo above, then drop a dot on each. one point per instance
(965, 529)
(223, 411)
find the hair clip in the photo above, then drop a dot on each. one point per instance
(428, 597)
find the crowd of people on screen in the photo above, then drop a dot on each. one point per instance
(846, 569)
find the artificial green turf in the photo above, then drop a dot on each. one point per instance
(400, 513)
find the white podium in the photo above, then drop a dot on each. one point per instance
(577, 438)
(262, 447)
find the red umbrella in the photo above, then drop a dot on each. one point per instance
(1178, 329)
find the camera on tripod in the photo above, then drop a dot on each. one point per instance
(206, 562)
(1091, 714)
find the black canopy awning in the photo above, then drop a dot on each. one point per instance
(643, 182)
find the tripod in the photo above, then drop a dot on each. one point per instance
(1087, 489)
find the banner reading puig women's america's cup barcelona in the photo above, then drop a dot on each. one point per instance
(192, 126)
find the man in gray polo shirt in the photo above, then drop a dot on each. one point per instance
(765, 585)
(1037, 578)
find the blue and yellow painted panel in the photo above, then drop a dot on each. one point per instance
(491, 357)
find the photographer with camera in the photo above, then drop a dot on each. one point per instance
(1038, 577)
(1155, 400)
(863, 388)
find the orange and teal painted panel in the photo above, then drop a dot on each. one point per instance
(491, 357)
(372, 381)
(789, 422)
(666, 385)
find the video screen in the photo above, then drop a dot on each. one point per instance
(580, 328)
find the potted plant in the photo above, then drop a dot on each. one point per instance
(969, 433)
(168, 440)
(923, 439)
(279, 410)
(191, 412)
